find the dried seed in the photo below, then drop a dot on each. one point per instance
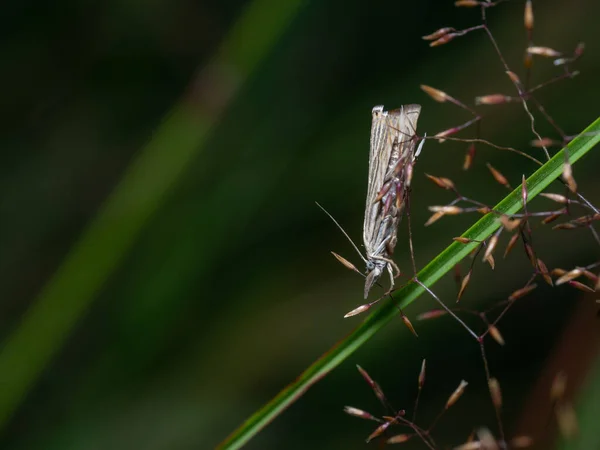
(346, 263)
(528, 16)
(456, 394)
(373, 384)
(552, 218)
(498, 176)
(469, 156)
(543, 51)
(443, 40)
(567, 175)
(522, 292)
(462, 240)
(433, 314)
(466, 3)
(359, 310)
(408, 324)
(446, 209)
(463, 285)
(521, 442)
(581, 286)
(399, 438)
(544, 142)
(571, 275)
(495, 333)
(434, 218)
(436, 94)
(555, 197)
(511, 243)
(438, 34)
(490, 247)
(492, 99)
(495, 392)
(524, 190)
(544, 271)
(378, 431)
(359, 413)
(445, 183)
(422, 374)
(508, 223)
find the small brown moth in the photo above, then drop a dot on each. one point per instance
(391, 161)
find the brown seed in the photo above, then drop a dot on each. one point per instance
(511, 243)
(552, 218)
(473, 445)
(581, 286)
(521, 442)
(492, 99)
(521, 292)
(346, 263)
(438, 34)
(543, 51)
(495, 392)
(446, 209)
(513, 77)
(484, 210)
(378, 431)
(558, 272)
(399, 438)
(436, 94)
(528, 16)
(498, 176)
(359, 310)
(408, 324)
(571, 275)
(544, 271)
(462, 240)
(495, 333)
(469, 156)
(443, 134)
(544, 142)
(434, 218)
(528, 61)
(466, 3)
(555, 197)
(463, 285)
(567, 175)
(445, 183)
(359, 413)
(524, 190)
(456, 394)
(433, 314)
(508, 223)
(373, 384)
(443, 40)
(490, 247)
(422, 374)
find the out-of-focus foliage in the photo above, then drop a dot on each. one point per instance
(209, 285)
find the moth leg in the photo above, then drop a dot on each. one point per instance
(391, 264)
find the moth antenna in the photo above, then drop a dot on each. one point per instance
(343, 231)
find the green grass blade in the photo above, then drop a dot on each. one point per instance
(437, 268)
(142, 190)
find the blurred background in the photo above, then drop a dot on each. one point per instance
(164, 268)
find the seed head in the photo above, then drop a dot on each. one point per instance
(456, 394)
(543, 51)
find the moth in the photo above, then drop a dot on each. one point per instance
(392, 156)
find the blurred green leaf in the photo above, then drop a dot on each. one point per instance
(142, 190)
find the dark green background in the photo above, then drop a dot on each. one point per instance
(225, 289)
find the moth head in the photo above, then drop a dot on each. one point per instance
(374, 271)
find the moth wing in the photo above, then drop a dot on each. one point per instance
(398, 125)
